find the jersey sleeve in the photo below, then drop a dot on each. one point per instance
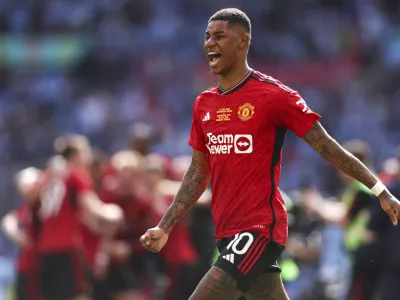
(292, 112)
(196, 139)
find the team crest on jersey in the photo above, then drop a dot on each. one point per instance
(246, 112)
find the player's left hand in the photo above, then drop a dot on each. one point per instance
(391, 206)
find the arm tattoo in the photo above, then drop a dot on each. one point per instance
(193, 186)
(341, 159)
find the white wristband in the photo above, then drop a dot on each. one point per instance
(378, 188)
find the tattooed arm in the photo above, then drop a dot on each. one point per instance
(341, 159)
(194, 183)
(331, 151)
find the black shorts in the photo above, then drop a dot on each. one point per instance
(246, 256)
(26, 286)
(61, 275)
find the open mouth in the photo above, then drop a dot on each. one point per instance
(213, 58)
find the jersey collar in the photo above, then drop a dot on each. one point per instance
(236, 86)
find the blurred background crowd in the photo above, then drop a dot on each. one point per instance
(125, 73)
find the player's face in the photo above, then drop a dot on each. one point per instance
(223, 45)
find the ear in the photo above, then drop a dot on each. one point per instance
(245, 41)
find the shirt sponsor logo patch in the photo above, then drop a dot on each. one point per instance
(229, 143)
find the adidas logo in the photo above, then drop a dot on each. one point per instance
(229, 257)
(206, 117)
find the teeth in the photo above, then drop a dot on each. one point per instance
(212, 53)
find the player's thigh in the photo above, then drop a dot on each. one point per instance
(216, 285)
(268, 286)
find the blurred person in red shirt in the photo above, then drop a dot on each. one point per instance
(22, 226)
(66, 196)
(92, 229)
(118, 255)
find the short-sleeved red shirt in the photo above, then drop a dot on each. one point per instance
(243, 130)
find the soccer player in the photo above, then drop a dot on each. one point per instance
(67, 195)
(237, 134)
(22, 227)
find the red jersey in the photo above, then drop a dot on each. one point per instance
(61, 227)
(242, 129)
(28, 221)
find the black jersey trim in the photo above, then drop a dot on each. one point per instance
(258, 77)
(276, 158)
(237, 86)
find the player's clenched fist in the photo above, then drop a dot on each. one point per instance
(154, 239)
(391, 206)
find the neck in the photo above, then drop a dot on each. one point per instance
(227, 81)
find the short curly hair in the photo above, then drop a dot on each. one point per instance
(234, 17)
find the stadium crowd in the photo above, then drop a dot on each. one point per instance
(125, 73)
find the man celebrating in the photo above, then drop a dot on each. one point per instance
(238, 129)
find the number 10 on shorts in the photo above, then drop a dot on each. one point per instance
(244, 250)
(238, 238)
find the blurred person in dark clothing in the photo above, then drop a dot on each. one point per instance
(22, 227)
(301, 258)
(352, 212)
(387, 237)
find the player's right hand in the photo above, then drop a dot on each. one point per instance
(154, 239)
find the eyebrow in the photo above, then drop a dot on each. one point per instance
(216, 32)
